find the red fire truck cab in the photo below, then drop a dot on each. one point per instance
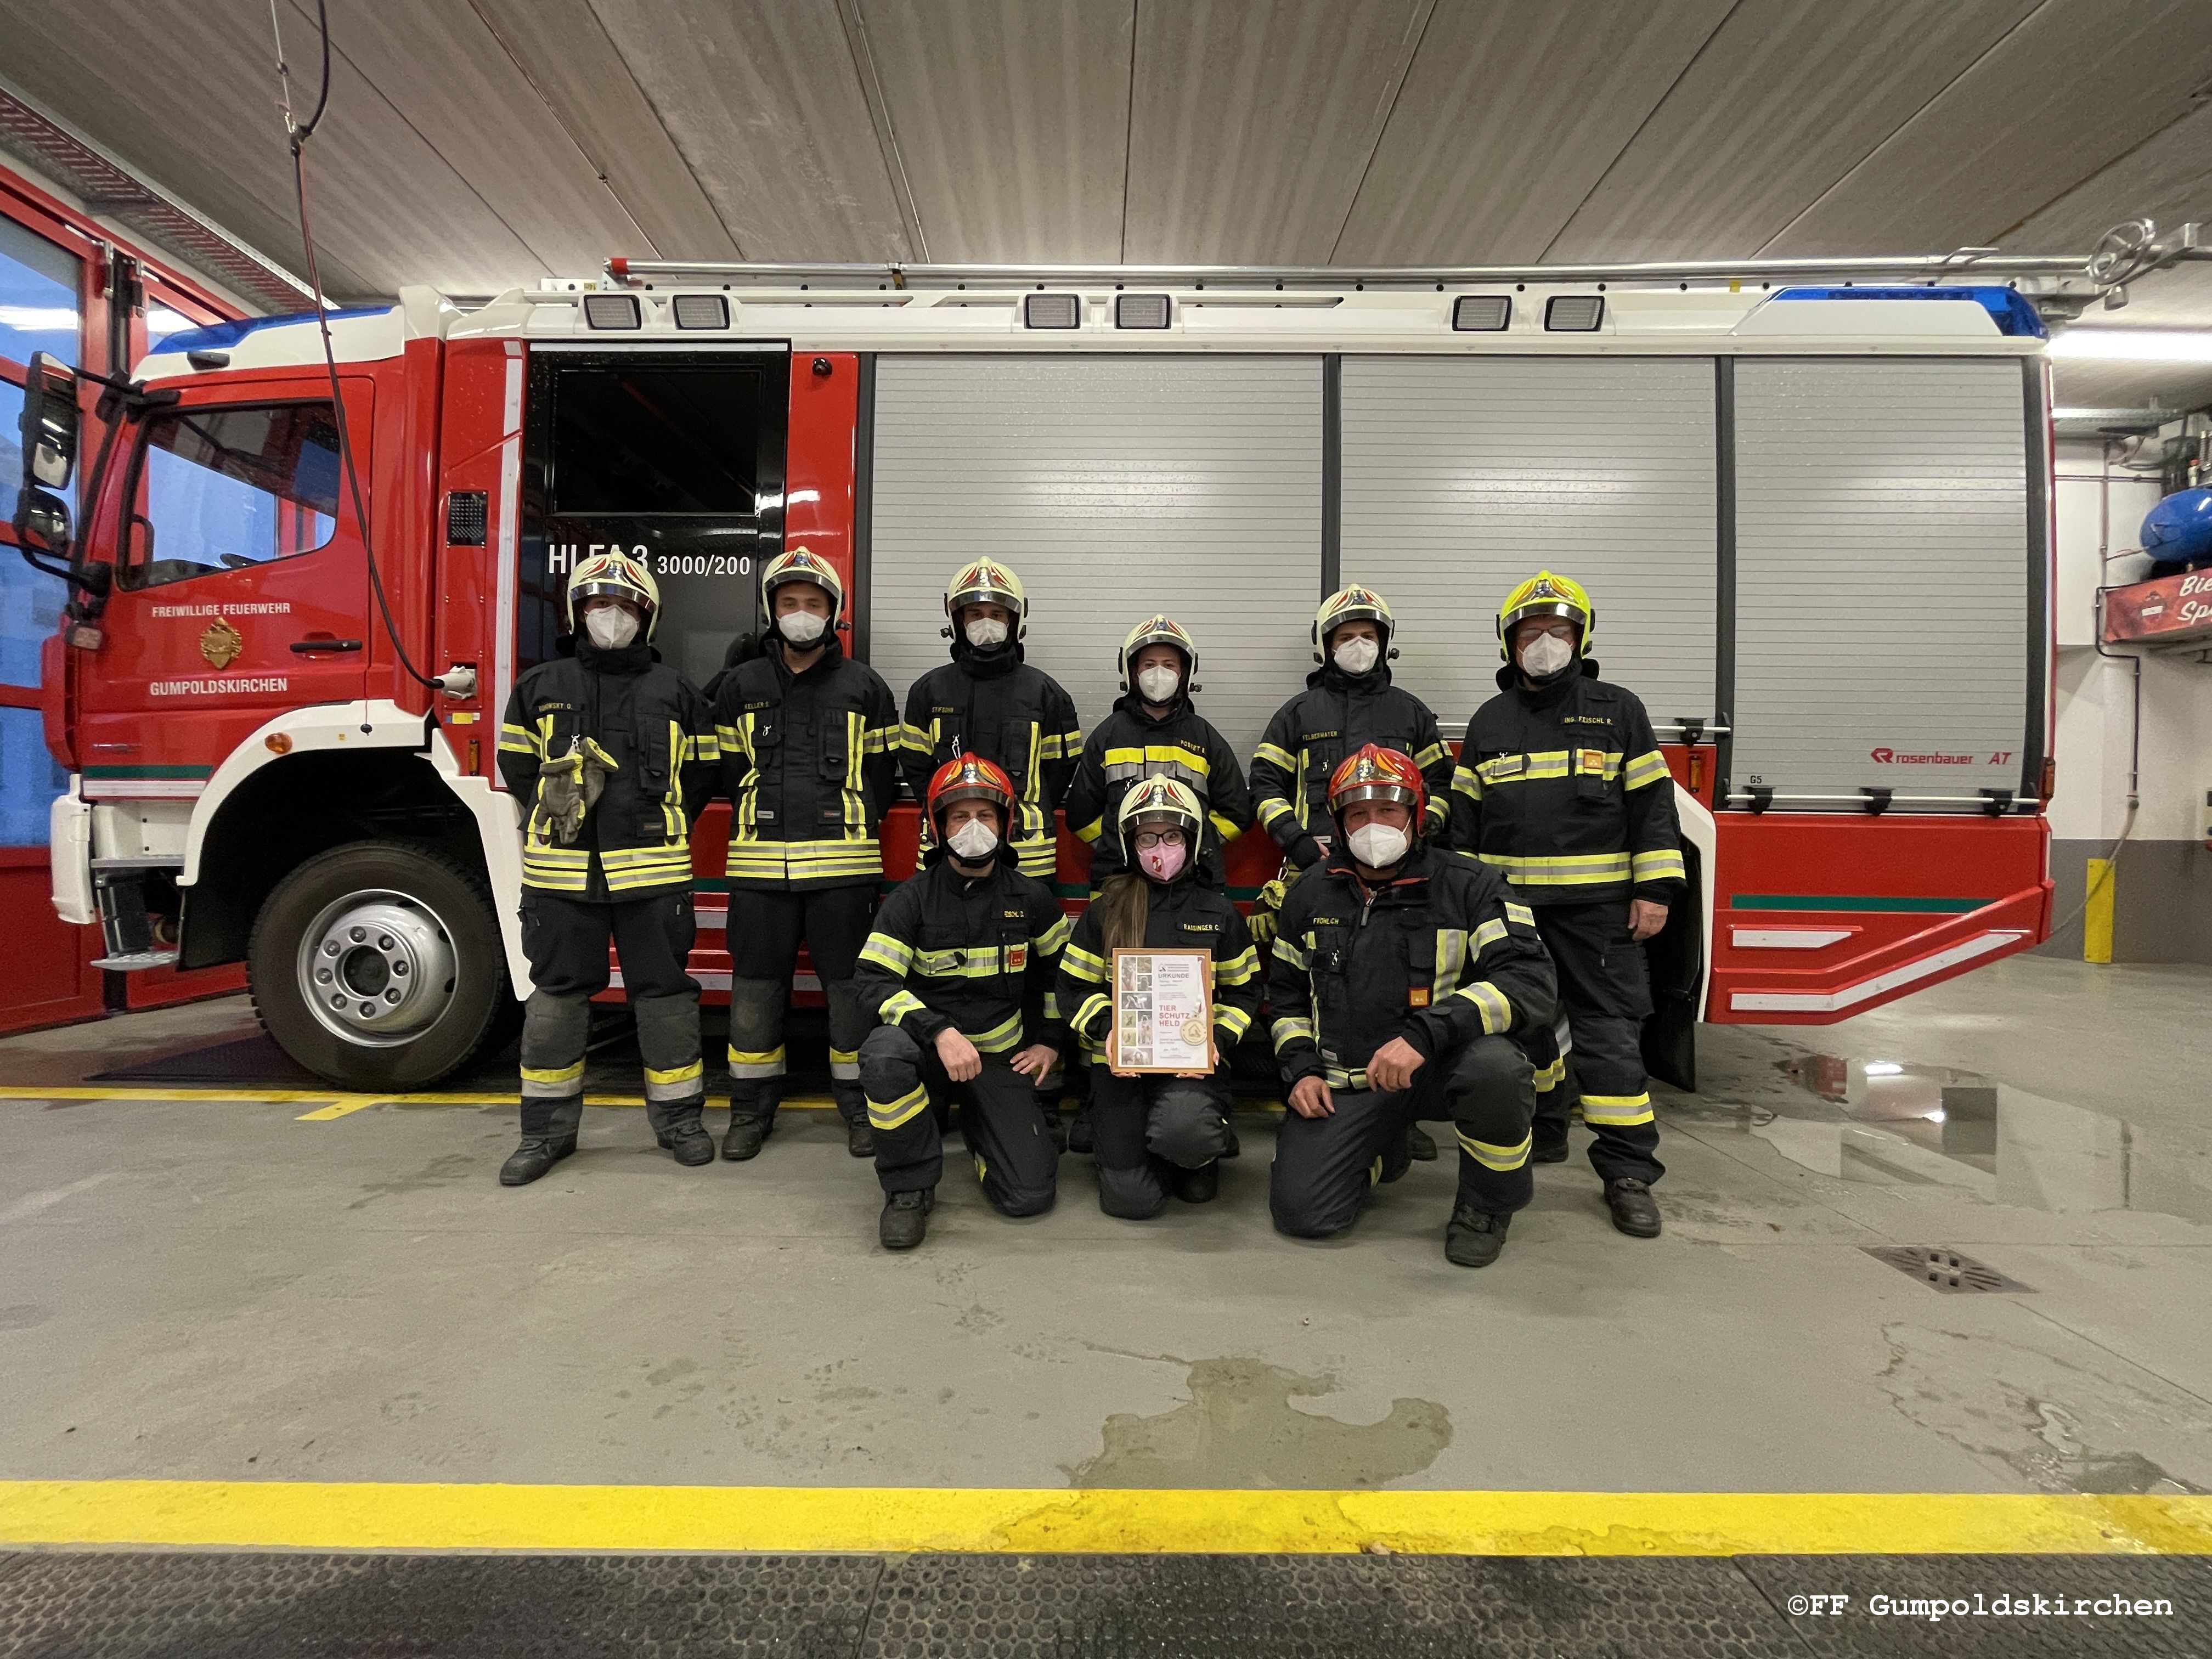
(1769, 494)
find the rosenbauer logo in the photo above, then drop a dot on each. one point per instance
(1891, 758)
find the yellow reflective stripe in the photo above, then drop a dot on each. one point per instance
(1661, 866)
(697, 1069)
(1238, 969)
(1037, 856)
(882, 739)
(1437, 807)
(1088, 1009)
(1286, 1030)
(1286, 950)
(1430, 756)
(1091, 830)
(518, 739)
(1497, 1011)
(616, 857)
(1052, 1004)
(1054, 939)
(632, 881)
(553, 1074)
(887, 951)
(757, 1062)
(1001, 1036)
(1488, 934)
(735, 739)
(1577, 870)
(1083, 965)
(1549, 1077)
(1451, 958)
(1337, 1077)
(1492, 1156)
(1521, 769)
(1273, 807)
(1519, 913)
(1618, 1111)
(1227, 828)
(1274, 756)
(1464, 782)
(898, 1006)
(1234, 1022)
(888, 1115)
(1645, 770)
(1160, 754)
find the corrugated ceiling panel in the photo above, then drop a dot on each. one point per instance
(1252, 124)
(1463, 476)
(2098, 81)
(1116, 487)
(1882, 578)
(1013, 118)
(762, 99)
(1512, 111)
(564, 48)
(2168, 179)
(1784, 101)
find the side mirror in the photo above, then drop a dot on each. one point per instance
(49, 425)
(41, 522)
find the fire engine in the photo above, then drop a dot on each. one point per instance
(1815, 518)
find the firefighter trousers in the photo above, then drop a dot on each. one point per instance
(566, 940)
(1605, 993)
(765, 932)
(909, 1101)
(1325, 1166)
(1145, 1127)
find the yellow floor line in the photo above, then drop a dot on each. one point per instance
(305, 1515)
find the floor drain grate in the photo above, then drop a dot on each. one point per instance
(1943, 1269)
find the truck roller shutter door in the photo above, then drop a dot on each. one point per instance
(1117, 487)
(1463, 476)
(1882, 580)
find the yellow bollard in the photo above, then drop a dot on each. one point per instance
(2097, 917)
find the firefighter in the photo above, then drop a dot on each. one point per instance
(1155, 731)
(990, 701)
(1156, 1134)
(1402, 977)
(614, 753)
(1561, 787)
(810, 743)
(960, 970)
(1348, 701)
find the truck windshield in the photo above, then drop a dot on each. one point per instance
(220, 489)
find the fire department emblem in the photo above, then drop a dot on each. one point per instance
(221, 644)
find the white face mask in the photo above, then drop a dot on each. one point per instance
(1548, 653)
(1357, 656)
(974, 841)
(801, 626)
(985, 632)
(610, 626)
(1378, 846)
(1159, 684)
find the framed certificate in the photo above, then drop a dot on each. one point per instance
(1163, 1011)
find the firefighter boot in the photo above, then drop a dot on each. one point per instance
(1199, 1186)
(1634, 1211)
(848, 1027)
(675, 1089)
(1080, 1137)
(757, 1063)
(678, 1128)
(1232, 1147)
(549, 1134)
(1474, 1237)
(905, 1219)
(1420, 1144)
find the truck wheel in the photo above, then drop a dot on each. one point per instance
(378, 965)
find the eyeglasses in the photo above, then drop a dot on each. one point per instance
(1148, 839)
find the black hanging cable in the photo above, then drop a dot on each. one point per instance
(299, 133)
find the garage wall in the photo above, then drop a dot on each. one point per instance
(1116, 487)
(1462, 477)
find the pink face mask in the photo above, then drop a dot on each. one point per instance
(1163, 862)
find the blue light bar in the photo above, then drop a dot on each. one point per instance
(2012, 313)
(220, 336)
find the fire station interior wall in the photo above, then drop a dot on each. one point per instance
(1882, 578)
(1463, 476)
(1116, 488)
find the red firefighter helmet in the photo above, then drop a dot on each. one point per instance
(1376, 774)
(970, 777)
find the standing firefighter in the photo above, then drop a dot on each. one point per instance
(1402, 975)
(1561, 787)
(960, 970)
(615, 753)
(1158, 1134)
(810, 761)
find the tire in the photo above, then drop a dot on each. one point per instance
(400, 948)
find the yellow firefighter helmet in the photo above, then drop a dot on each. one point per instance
(1353, 603)
(800, 566)
(614, 575)
(985, 581)
(1161, 802)
(1545, 594)
(1156, 630)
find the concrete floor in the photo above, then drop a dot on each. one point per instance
(214, 1290)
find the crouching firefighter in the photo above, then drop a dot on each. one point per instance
(1561, 787)
(1404, 980)
(615, 753)
(808, 743)
(960, 970)
(1156, 1133)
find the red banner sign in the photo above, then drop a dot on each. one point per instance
(2166, 611)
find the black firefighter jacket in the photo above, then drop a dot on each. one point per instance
(809, 763)
(1562, 788)
(1439, 955)
(660, 735)
(978, 953)
(1336, 715)
(995, 704)
(1182, 915)
(1128, 745)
